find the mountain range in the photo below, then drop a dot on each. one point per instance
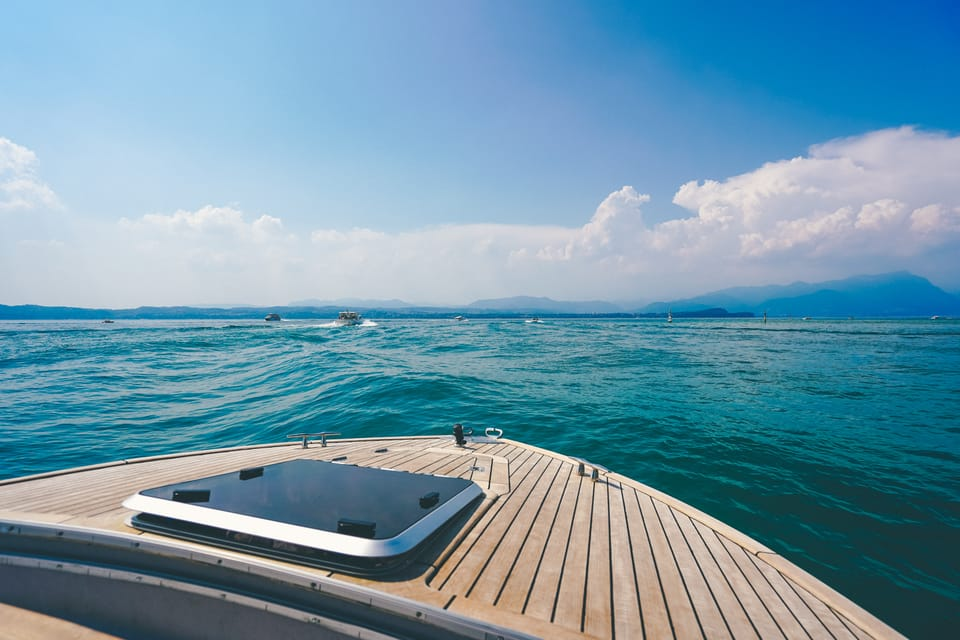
(899, 294)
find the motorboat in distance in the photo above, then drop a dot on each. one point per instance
(272, 317)
(348, 318)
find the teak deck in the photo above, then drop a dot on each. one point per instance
(548, 553)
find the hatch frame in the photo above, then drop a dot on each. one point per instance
(355, 553)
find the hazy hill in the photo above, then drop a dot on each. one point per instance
(352, 303)
(899, 294)
(534, 305)
(889, 295)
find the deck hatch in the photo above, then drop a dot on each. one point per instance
(353, 518)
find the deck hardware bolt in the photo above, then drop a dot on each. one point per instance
(580, 469)
(595, 475)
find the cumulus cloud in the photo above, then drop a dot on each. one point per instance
(883, 201)
(20, 187)
(208, 222)
(867, 198)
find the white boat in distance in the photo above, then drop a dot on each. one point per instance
(348, 318)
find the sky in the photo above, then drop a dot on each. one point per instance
(440, 152)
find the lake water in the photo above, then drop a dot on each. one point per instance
(836, 443)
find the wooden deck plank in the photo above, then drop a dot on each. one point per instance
(425, 463)
(492, 580)
(481, 470)
(568, 610)
(471, 566)
(650, 593)
(512, 452)
(807, 619)
(825, 614)
(499, 449)
(627, 620)
(476, 539)
(105, 491)
(853, 629)
(759, 616)
(772, 602)
(516, 590)
(711, 620)
(728, 603)
(51, 494)
(500, 473)
(102, 486)
(485, 449)
(683, 617)
(397, 458)
(542, 598)
(453, 465)
(598, 595)
(113, 484)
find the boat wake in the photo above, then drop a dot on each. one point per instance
(333, 324)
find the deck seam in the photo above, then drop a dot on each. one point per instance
(793, 588)
(749, 582)
(533, 521)
(730, 585)
(566, 550)
(703, 575)
(633, 559)
(683, 579)
(490, 520)
(656, 566)
(846, 623)
(506, 529)
(546, 542)
(613, 606)
(586, 572)
(755, 559)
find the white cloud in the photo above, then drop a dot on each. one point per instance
(867, 199)
(208, 220)
(883, 201)
(20, 187)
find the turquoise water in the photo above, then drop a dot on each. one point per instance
(836, 443)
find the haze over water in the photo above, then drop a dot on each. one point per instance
(835, 443)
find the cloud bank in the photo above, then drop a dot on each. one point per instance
(20, 188)
(883, 201)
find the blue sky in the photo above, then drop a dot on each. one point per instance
(162, 153)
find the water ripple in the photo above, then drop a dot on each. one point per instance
(835, 443)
